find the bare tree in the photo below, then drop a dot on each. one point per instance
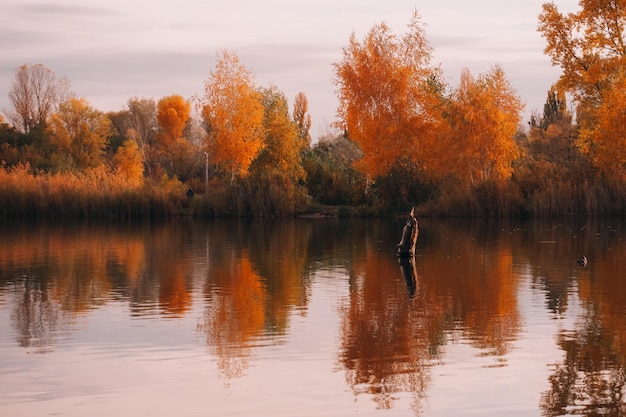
(35, 93)
(143, 119)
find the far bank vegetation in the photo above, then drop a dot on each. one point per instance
(403, 138)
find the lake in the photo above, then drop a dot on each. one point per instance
(312, 317)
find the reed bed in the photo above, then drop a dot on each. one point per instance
(97, 192)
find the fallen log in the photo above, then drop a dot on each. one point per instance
(410, 231)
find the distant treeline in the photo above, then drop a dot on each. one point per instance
(538, 187)
(404, 138)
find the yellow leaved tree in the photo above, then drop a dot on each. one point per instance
(484, 114)
(590, 48)
(79, 134)
(128, 163)
(233, 113)
(607, 137)
(589, 45)
(283, 145)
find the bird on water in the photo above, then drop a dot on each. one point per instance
(582, 261)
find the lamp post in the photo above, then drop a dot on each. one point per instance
(206, 172)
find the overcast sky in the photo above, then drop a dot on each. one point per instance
(117, 49)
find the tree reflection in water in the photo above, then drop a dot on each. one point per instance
(591, 378)
(61, 272)
(246, 282)
(253, 284)
(37, 319)
(468, 292)
(385, 347)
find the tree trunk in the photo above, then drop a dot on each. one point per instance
(406, 247)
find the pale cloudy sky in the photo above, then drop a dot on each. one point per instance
(117, 49)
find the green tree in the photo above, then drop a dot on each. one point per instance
(302, 118)
(138, 122)
(282, 151)
(331, 176)
(8, 143)
(276, 173)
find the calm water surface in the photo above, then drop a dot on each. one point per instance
(312, 318)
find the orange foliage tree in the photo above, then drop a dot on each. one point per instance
(236, 314)
(128, 163)
(608, 135)
(174, 150)
(79, 134)
(233, 112)
(589, 45)
(590, 48)
(172, 114)
(484, 115)
(385, 100)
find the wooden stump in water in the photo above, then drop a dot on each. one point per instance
(406, 247)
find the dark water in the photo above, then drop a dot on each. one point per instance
(313, 318)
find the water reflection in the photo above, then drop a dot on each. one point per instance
(462, 288)
(244, 284)
(254, 281)
(590, 377)
(409, 273)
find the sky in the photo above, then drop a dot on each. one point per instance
(118, 49)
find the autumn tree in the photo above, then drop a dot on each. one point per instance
(233, 113)
(79, 135)
(138, 122)
(128, 163)
(35, 93)
(277, 175)
(484, 116)
(385, 102)
(172, 114)
(590, 48)
(302, 118)
(589, 45)
(234, 316)
(607, 138)
(282, 151)
(174, 152)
